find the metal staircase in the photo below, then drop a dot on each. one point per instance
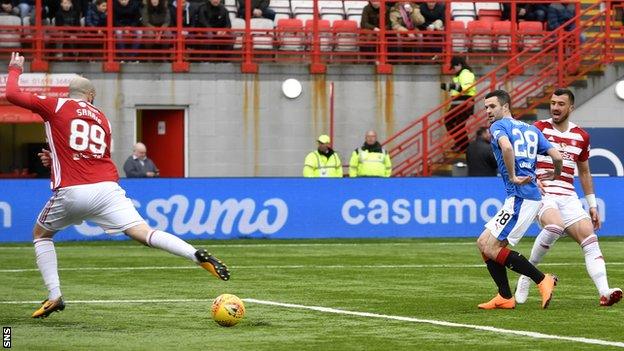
(558, 59)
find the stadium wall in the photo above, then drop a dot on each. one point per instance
(242, 125)
(286, 208)
(603, 110)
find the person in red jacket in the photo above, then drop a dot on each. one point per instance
(84, 182)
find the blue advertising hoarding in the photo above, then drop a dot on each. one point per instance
(284, 208)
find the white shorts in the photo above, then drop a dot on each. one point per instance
(513, 219)
(569, 206)
(104, 204)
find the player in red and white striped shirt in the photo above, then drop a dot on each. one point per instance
(84, 181)
(562, 212)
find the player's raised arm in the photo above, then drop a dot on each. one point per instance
(13, 93)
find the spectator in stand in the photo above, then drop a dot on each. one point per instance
(7, 8)
(25, 6)
(480, 157)
(525, 12)
(213, 14)
(405, 18)
(127, 13)
(370, 22)
(260, 8)
(558, 14)
(433, 12)
(155, 14)
(67, 16)
(189, 14)
(96, 14)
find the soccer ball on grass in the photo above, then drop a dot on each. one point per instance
(227, 310)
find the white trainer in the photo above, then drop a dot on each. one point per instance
(522, 289)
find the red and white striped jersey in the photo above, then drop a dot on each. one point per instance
(573, 145)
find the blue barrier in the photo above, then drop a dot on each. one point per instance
(223, 208)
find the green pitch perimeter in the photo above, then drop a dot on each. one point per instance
(441, 280)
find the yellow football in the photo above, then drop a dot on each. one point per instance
(227, 310)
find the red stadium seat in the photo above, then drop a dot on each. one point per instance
(489, 15)
(531, 33)
(325, 34)
(458, 36)
(290, 34)
(346, 35)
(480, 33)
(502, 32)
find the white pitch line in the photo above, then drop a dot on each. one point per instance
(316, 267)
(109, 301)
(530, 334)
(445, 243)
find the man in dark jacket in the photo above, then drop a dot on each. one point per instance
(127, 13)
(96, 14)
(259, 8)
(213, 14)
(138, 165)
(433, 12)
(480, 157)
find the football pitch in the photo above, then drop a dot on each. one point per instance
(391, 294)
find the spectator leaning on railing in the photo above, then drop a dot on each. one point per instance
(406, 17)
(213, 14)
(370, 22)
(433, 12)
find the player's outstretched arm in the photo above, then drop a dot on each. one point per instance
(587, 184)
(13, 93)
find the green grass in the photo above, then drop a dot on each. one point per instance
(327, 273)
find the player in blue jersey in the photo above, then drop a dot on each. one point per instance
(516, 146)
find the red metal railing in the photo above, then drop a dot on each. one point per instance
(318, 47)
(555, 60)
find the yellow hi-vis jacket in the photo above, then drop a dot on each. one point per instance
(364, 163)
(464, 79)
(317, 165)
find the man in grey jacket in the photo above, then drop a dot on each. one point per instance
(138, 165)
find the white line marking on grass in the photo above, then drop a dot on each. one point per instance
(445, 243)
(109, 301)
(319, 267)
(530, 334)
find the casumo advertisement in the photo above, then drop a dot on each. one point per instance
(607, 151)
(281, 208)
